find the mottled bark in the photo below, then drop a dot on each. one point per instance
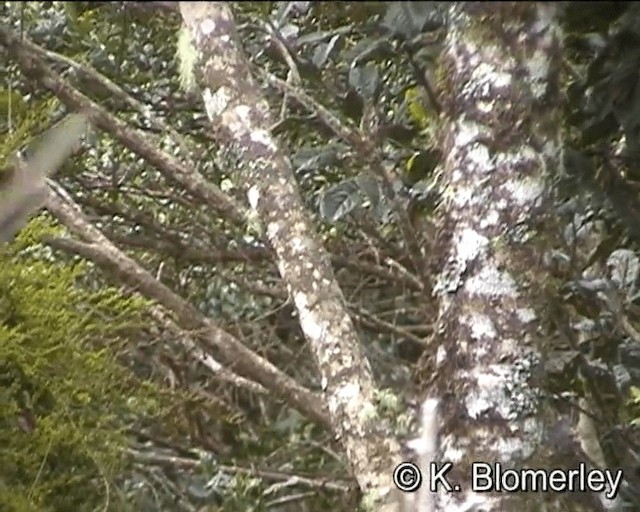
(241, 117)
(501, 138)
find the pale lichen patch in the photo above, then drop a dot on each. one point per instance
(472, 501)
(525, 191)
(243, 112)
(273, 228)
(515, 447)
(263, 137)
(526, 315)
(207, 26)
(477, 404)
(347, 392)
(482, 78)
(501, 79)
(216, 103)
(538, 67)
(241, 121)
(519, 156)
(452, 452)
(479, 154)
(491, 219)
(466, 133)
(463, 196)
(485, 106)
(491, 282)
(470, 244)
(489, 392)
(313, 327)
(508, 346)
(253, 195)
(501, 204)
(302, 301)
(299, 245)
(481, 326)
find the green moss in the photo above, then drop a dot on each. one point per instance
(62, 391)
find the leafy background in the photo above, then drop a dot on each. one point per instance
(103, 408)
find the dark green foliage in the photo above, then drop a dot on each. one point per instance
(598, 341)
(410, 19)
(604, 94)
(365, 80)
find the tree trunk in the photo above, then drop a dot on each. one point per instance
(240, 115)
(502, 142)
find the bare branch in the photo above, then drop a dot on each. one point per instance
(33, 65)
(102, 252)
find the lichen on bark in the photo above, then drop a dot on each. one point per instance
(501, 138)
(240, 116)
